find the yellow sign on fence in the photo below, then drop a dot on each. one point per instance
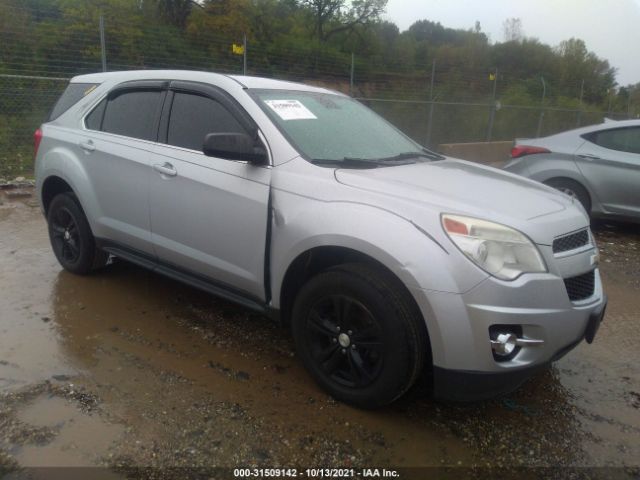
(238, 49)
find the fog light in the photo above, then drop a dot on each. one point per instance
(508, 340)
(504, 344)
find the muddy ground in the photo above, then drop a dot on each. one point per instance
(128, 370)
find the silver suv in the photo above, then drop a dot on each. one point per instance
(385, 259)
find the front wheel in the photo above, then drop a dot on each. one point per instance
(359, 334)
(71, 238)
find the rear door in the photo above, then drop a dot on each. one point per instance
(119, 138)
(208, 215)
(610, 161)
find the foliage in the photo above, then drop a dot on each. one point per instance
(310, 40)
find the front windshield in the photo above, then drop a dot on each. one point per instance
(334, 128)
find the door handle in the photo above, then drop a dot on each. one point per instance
(88, 146)
(588, 156)
(165, 169)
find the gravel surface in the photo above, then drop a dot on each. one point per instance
(134, 372)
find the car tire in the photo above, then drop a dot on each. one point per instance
(70, 235)
(573, 189)
(359, 334)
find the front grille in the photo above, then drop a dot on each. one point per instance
(571, 241)
(580, 287)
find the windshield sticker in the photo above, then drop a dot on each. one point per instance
(290, 110)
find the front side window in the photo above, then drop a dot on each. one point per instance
(194, 116)
(622, 139)
(332, 127)
(132, 113)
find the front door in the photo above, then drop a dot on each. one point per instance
(208, 215)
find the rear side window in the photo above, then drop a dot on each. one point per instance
(72, 95)
(133, 113)
(621, 139)
(194, 116)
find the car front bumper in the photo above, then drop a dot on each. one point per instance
(458, 324)
(466, 386)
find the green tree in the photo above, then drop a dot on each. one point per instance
(578, 64)
(334, 16)
(176, 12)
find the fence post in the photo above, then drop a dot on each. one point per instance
(579, 116)
(103, 46)
(430, 123)
(351, 77)
(544, 93)
(244, 54)
(492, 110)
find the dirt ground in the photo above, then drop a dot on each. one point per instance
(128, 370)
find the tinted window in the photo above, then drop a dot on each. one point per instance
(623, 139)
(72, 95)
(194, 116)
(133, 113)
(93, 121)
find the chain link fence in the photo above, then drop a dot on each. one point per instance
(41, 49)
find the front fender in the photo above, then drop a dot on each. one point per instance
(430, 268)
(416, 258)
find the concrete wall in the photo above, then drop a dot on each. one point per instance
(489, 153)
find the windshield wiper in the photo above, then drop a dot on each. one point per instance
(350, 162)
(408, 155)
(406, 158)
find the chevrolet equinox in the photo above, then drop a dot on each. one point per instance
(384, 258)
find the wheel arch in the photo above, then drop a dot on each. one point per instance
(593, 200)
(320, 258)
(52, 186)
(59, 170)
(566, 170)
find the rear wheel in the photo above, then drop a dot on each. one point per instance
(71, 238)
(573, 189)
(359, 334)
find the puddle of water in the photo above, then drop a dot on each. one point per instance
(126, 324)
(79, 441)
(29, 346)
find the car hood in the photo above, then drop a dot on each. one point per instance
(463, 187)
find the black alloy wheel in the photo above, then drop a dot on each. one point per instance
(360, 334)
(70, 234)
(65, 237)
(346, 340)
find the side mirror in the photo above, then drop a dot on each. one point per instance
(234, 146)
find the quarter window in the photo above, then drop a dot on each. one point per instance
(133, 113)
(194, 116)
(622, 139)
(93, 121)
(72, 95)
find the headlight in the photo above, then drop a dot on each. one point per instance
(500, 251)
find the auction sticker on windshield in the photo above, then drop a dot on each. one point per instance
(290, 110)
